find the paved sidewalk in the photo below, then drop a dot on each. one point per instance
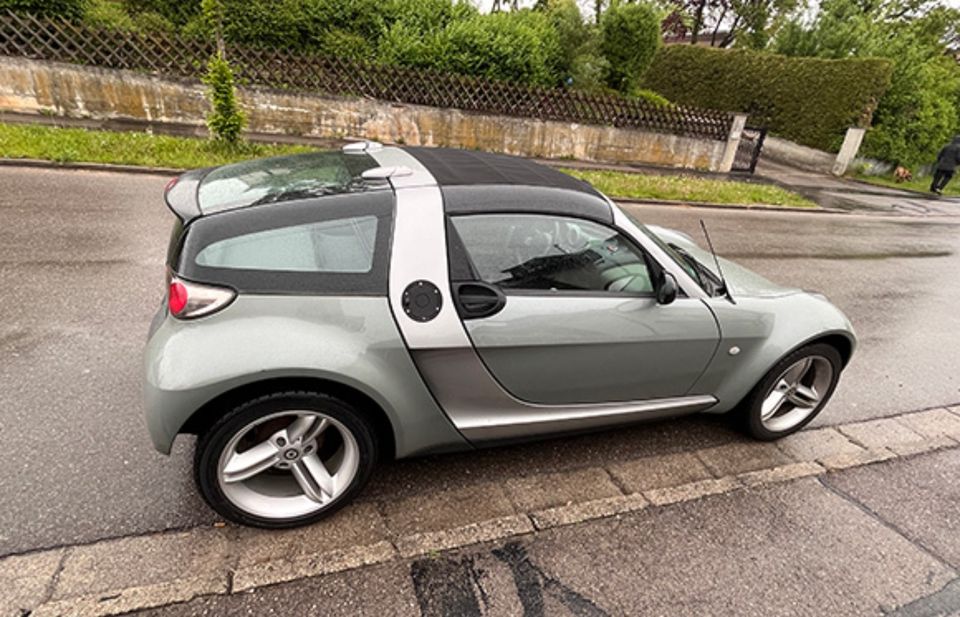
(853, 542)
(114, 576)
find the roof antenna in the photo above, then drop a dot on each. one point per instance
(716, 260)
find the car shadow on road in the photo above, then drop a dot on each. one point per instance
(410, 477)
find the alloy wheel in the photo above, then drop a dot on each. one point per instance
(796, 393)
(288, 464)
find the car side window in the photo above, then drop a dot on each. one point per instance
(534, 252)
(343, 245)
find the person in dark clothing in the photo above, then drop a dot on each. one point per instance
(947, 162)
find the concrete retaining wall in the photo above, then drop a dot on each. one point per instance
(66, 90)
(794, 155)
(788, 153)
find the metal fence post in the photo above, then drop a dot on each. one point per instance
(733, 142)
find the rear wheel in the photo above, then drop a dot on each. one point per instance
(792, 394)
(284, 460)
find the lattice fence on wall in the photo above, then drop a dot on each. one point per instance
(44, 39)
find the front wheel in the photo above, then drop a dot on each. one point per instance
(792, 394)
(284, 460)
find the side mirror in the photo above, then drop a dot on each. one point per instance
(667, 292)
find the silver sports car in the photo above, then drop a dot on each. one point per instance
(328, 310)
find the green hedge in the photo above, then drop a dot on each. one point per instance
(67, 9)
(808, 100)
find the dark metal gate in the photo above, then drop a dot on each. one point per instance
(748, 152)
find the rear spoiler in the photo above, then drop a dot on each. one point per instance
(181, 194)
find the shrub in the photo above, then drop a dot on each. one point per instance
(574, 36)
(225, 119)
(808, 100)
(630, 36)
(176, 12)
(108, 14)
(67, 9)
(918, 114)
(516, 46)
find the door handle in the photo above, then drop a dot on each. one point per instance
(475, 300)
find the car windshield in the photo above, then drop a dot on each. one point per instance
(284, 178)
(697, 271)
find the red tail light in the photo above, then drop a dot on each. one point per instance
(188, 300)
(177, 298)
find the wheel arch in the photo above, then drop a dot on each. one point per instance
(841, 341)
(209, 412)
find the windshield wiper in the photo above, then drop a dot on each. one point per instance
(693, 263)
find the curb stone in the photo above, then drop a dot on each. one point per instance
(71, 581)
(78, 165)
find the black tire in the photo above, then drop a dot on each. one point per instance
(211, 443)
(749, 413)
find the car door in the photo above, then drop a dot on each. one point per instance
(562, 311)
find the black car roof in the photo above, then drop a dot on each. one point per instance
(452, 167)
(481, 182)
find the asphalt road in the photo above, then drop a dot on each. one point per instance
(81, 272)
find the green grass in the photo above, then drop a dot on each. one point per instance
(66, 145)
(919, 183)
(690, 188)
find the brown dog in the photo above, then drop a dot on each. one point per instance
(902, 174)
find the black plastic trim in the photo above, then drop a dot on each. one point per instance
(502, 199)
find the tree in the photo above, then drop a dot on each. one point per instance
(629, 38)
(746, 23)
(919, 111)
(225, 120)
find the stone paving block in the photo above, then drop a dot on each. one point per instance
(144, 561)
(845, 461)
(933, 423)
(919, 447)
(549, 490)
(588, 510)
(694, 490)
(447, 509)
(457, 537)
(24, 579)
(781, 474)
(877, 434)
(358, 524)
(810, 445)
(736, 458)
(660, 471)
(131, 599)
(286, 569)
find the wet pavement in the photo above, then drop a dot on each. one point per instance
(81, 271)
(850, 543)
(853, 196)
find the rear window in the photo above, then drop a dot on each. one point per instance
(340, 245)
(284, 178)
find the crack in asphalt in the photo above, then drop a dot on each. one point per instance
(825, 482)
